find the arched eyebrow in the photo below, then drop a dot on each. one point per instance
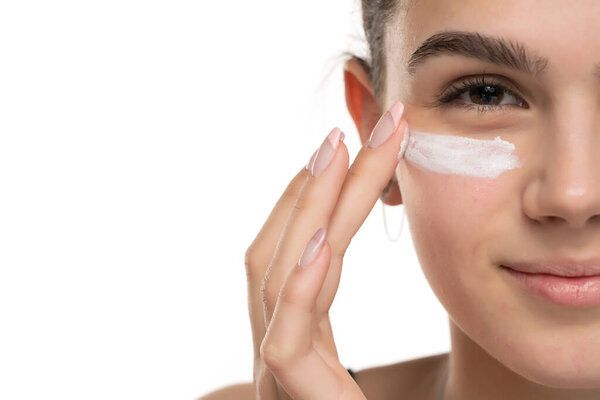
(491, 49)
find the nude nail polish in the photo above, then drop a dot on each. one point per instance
(323, 156)
(312, 247)
(386, 125)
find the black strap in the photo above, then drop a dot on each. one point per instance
(351, 373)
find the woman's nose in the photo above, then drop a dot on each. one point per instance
(565, 189)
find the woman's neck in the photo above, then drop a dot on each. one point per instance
(475, 375)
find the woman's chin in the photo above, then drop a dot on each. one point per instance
(580, 375)
(553, 346)
(555, 359)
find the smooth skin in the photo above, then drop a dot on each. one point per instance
(292, 336)
(505, 342)
(298, 347)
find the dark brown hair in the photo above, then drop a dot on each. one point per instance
(376, 14)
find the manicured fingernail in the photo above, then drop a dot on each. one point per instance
(312, 247)
(386, 125)
(310, 162)
(321, 158)
(404, 143)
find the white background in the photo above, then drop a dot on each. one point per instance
(142, 146)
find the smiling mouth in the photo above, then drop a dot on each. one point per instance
(569, 291)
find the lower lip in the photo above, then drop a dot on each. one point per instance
(582, 291)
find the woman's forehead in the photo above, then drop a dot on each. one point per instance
(554, 31)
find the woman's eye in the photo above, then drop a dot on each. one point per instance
(481, 95)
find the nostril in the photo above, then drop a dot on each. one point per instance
(548, 219)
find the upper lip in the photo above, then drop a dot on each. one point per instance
(560, 266)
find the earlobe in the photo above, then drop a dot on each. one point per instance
(391, 193)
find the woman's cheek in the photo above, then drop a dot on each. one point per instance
(453, 220)
(454, 188)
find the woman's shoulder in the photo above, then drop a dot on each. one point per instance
(240, 391)
(418, 378)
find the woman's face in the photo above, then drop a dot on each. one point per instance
(464, 228)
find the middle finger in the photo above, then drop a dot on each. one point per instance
(312, 210)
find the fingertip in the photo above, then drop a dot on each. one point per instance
(305, 281)
(396, 110)
(404, 143)
(311, 269)
(312, 247)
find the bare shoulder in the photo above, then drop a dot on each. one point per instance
(419, 378)
(241, 391)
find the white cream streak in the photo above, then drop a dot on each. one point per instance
(459, 155)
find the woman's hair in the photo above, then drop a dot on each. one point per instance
(376, 15)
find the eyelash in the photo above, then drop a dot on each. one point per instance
(456, 90)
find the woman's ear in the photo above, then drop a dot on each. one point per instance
(365, 112)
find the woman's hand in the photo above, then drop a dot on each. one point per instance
(290, 287)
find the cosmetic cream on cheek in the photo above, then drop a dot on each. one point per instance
(459, 155)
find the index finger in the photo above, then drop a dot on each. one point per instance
(367, 177)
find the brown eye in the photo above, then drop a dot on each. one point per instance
(481, 94)
(486, 95)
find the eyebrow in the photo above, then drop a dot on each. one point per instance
(495, 50)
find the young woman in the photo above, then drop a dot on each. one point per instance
(498, 172)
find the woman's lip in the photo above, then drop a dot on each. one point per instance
(581, 291)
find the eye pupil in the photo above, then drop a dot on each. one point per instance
(486, 93)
